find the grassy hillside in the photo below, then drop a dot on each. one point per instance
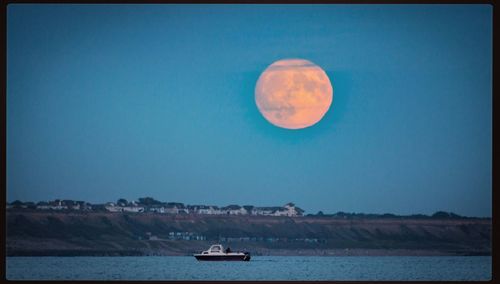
(46, 233)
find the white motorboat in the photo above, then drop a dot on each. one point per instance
(217, 253)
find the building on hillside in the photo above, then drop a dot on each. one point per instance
(57, 205)
(288, 209)
(234, 210)
(84, 206)
(265, 211)
(133, 209)
(111, 207)
(176, 208)
(62, 205)
(157, 209)
(292, 210)
(42, 205)
(69, 204)
(281, 212)
(204, 209)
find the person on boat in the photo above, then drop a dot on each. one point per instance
(228, 250)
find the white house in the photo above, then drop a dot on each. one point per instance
(204, 209)
(134, 209)
(281, 212)
(292, 210)
(234, 210)
(265, 211)
(111, 207)
(157, 209)
(57, 205)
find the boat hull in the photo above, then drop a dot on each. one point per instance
(242, 257)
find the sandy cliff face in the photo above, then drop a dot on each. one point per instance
(45, 233)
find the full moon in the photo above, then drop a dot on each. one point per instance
(293, 93)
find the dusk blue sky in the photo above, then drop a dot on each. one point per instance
(111, 101)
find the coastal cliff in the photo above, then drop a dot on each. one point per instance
(79, 233)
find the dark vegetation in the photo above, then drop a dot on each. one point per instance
(437, 215)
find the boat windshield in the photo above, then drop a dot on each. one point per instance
(216, 248)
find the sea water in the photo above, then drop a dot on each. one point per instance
(351, 268)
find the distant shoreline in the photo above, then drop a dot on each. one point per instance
(129, 234)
